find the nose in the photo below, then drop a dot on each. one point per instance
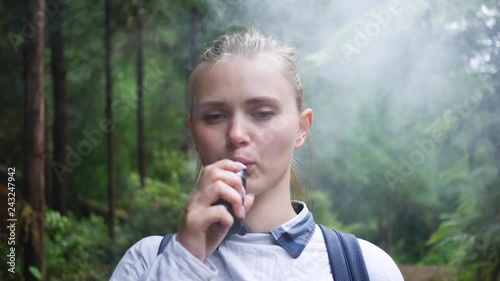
(237, 135)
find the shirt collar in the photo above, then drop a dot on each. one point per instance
(294, 234)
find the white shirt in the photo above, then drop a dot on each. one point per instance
(251, 257)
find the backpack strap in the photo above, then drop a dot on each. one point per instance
(345, 256)
(164, 242)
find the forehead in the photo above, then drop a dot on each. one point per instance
(242, 78)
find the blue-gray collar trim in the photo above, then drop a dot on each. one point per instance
(293, 235)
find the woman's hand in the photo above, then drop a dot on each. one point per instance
(200, 233)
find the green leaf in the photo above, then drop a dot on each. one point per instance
(34, 270)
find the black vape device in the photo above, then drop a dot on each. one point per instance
(236, 227)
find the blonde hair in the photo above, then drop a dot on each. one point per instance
(251, 43)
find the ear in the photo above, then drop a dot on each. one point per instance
(305, 123)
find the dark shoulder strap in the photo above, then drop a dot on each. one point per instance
(345, 256)
(164, 243)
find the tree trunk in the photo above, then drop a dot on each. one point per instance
(109, 116)
(194, 31)
(48, 171)
(60, 180)
(140, 95)
(34, 142)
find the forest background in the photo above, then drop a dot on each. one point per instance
(404, 151)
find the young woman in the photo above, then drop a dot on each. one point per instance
(245, 112)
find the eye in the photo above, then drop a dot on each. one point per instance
(264, 115)
(213, 117)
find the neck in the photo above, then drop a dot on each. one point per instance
(271, 209)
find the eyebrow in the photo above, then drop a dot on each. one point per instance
(210, 104)
(263, 100)
(252, 101)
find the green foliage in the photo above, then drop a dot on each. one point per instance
(170, 166)
(36, 272)
(156, 209)
(77, 249)
(321, 207)
(472, 233)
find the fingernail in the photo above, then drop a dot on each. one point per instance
(243, 193)
(243, 212)
(240, 165)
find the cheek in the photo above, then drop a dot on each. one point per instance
(282, 131)
(208, 145)
(277, 143)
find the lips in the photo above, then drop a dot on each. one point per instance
(247, 162)
(242, 160)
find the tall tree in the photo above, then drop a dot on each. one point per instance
(140, 93)
(109, 117)
(60, 180)
(34, 143)
(194, 32)
(48, 160)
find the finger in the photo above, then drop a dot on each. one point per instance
(220, 190)
(230, 165)
(224, 164)
(199, 220)
(218, 215)
(228, 177)
(224, 170)
(213, 173)
(215, 234)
